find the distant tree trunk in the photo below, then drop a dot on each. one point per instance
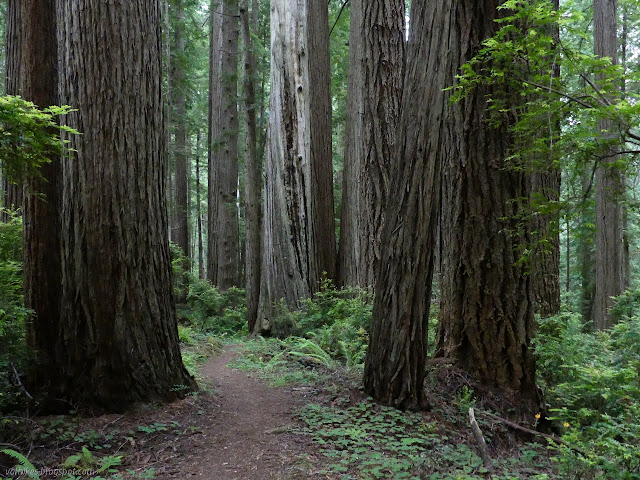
(610, 268)
(223, 264)
(199, 210)
(118, 340)
(180, 227)
(42, 262)
(545, 267)
(487, 306)
(376, 61)
(349, 246)
(168, 107)
(568, 257)
(625, 221)
(395, 363)
(586, 252)
(299, 236)
(12, 192)
(252, 172)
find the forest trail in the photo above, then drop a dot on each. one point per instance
(249, 437)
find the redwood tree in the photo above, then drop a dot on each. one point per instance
(252, 171)
(12, 193)
(610, 256)
(299, 236)
(223, 253)
(376, 61)
(117, 342)
(180, 224)
(487, 305)
(42, 206)
(395, 363)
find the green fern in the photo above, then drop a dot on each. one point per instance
(25, 466)
(307, 348)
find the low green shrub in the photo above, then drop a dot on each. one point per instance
(592, 383)
(335, 321)
(215, 312)
(180, 272)
(13, 352)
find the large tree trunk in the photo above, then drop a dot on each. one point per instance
(180, 227)
(610, 255)
(252, 172)
(395, 363)
(118, 340)
(487, 306)
(376, 61)
(13, 192)
(42, 207)
(299, 236)
(223, 264)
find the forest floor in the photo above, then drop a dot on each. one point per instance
(260, 416)
(248, 433)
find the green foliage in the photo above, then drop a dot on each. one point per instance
(24, 467)
(550, 93)
(369, 441)
(13, 354)
(27, 137)
(214, 312)
(593, 383)
(372, 441)
(85, 460)
(208, 310)
(334, 321)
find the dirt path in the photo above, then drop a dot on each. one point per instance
(249, 437)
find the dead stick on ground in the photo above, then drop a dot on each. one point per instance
(515, 426)
(482, 445)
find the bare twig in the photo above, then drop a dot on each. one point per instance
(482, 445)
(17, 377)
(338, 17)
(530, 431)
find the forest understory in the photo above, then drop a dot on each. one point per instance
(264, 415)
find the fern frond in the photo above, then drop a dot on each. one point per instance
(25, 466)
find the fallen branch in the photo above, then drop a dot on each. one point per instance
(17, 377)
(530, 431)
(482, 445)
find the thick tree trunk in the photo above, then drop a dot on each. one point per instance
(487, 306)
(13, 192)
(223, 264)
(610, 255)
(395, 363)
(42, 206)
(180, 227)
(376, 62)
(118, 340)
(299, 236)
(252, 172)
